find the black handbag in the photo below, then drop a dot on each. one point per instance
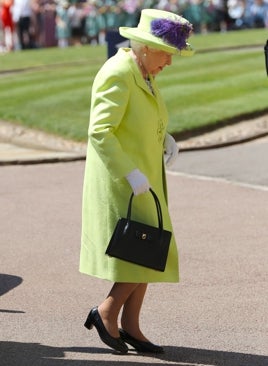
(139, 243)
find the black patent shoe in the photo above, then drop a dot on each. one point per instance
(95, 320)
(140, 346)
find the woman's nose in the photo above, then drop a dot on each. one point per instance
(169, 59)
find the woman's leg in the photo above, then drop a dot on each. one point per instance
(109, 309)
(131, 312)
(130, 296)
(131, 332)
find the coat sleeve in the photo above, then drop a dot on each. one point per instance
(110, 94)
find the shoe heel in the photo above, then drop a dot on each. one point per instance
(88, 323)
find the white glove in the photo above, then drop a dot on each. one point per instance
(138, 182)
(171, 150)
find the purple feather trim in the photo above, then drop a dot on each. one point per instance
(172, 32)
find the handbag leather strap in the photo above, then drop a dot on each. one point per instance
(157, 205)
(266, 56)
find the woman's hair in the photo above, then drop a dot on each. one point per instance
(136, 46)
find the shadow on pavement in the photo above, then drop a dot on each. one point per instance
(25, 354)
(211, 357)
(8, 282)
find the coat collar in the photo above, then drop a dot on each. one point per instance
(138, 76)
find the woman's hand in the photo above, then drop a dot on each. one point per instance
(138, 182)
(171, 150)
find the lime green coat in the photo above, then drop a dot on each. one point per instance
(126, 131)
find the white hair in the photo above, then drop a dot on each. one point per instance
(136, 46)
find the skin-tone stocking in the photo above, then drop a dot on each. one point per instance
(130, 295)
(131, 312)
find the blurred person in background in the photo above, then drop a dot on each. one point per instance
(114, 14)
(258, 14)
(91, 22)
(77, 18)
(7, 24)
(131, 9)
(236, 11)
(22, 13)
(193, 11)
(63, 29)
(49, 22)
(37, 23)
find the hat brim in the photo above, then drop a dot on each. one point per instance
(155, 42)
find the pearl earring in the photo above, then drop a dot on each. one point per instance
(145, 54)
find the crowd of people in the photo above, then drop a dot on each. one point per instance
(47, 23)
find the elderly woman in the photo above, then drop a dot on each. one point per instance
(127, 142)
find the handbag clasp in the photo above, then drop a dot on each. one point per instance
(143, 236)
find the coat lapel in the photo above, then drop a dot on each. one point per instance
(141, 83)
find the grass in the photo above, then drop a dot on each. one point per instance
(215, 88)
(49, 89)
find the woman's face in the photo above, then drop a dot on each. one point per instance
(154, 60)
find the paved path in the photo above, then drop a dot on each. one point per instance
(21, 145)
(217, 315)
(245, 163)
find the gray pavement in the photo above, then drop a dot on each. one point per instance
(216, 316)
(245, 163)
(21, 145)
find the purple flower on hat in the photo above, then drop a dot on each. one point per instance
(172, 32)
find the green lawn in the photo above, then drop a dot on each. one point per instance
(49, 89)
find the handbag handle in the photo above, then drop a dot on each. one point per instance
(158, 209)
(266, 56)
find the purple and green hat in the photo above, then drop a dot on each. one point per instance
(161, 30)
